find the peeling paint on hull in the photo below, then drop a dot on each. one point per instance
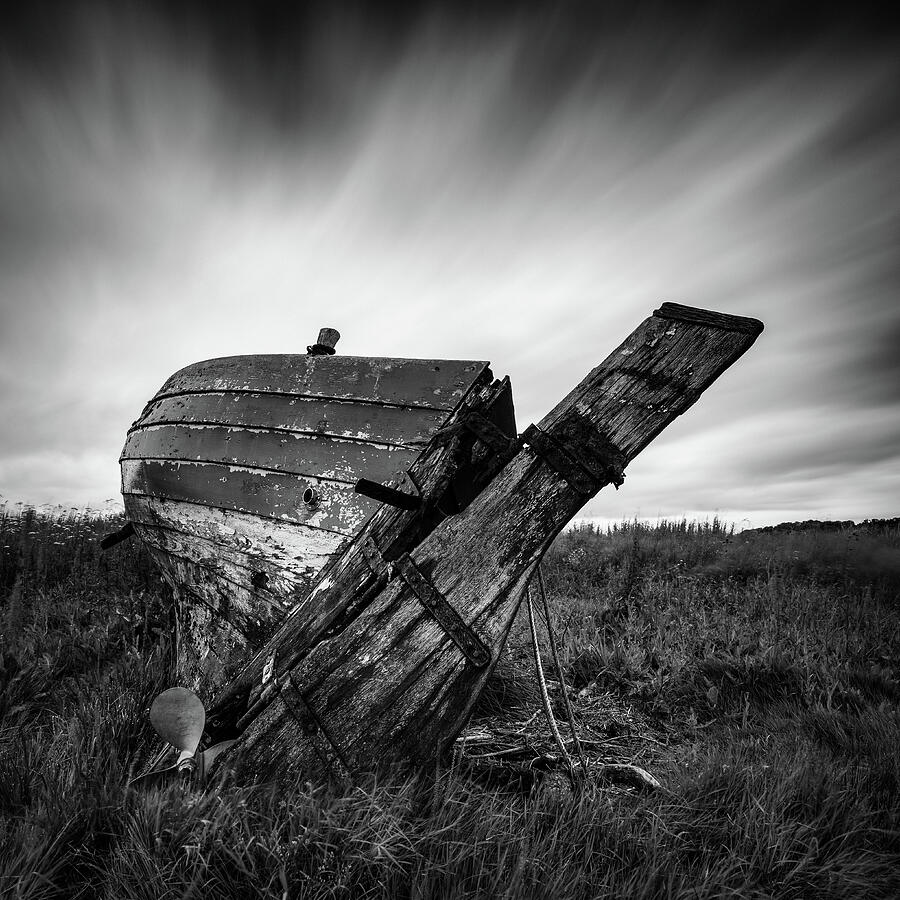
(216, 470)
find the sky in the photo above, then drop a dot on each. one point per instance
(521, 184)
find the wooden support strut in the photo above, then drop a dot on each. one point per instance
(383, 493)
(125, 532)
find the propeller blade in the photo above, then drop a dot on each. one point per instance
(150, 778)
(208, 756)
(178, 717)
(203, 761)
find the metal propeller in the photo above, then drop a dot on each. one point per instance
(178, 716)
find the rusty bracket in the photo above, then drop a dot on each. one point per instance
(482, 427)
(488, 433)
(313, 728)
(444, 614)
(372, 555)
(585, 468)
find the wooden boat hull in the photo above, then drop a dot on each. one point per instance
(239, 477)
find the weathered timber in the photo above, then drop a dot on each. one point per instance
(299, 567)
(270, 584)
(403, 426)
(276, 495)
(297, 547)
(390, 684)
(336, 459)
(210, 642)
(455, 464)
(432, 384)
(227, 567)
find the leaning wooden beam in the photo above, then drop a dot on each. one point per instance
(397, 683)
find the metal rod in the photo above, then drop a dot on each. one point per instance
(389, 495)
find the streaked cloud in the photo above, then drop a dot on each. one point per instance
(524, 193)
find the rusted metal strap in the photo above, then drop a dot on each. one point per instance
(482, 427)
(372, 555)
(313, 728)
(446, 616)
(587, 467)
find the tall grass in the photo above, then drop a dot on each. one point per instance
(756, 674)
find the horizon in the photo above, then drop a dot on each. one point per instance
(113, 507)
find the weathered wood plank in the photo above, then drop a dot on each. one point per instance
(390, 684)
(216, 649)
(240, 537)
(210, 558)
(221, 586)
(434, 384)
(272, 494)
(337, 459)
(272, 587)
(405, 426)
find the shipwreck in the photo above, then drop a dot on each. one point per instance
(349, 538)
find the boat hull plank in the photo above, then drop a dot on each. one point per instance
(222, 586)
(211, 645)
(272, 494)
(405, 426)
(434, 384)
(239, 536)
(214, 560)
(336, 459)
(269, 583)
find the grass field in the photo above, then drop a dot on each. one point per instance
(755, 675)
